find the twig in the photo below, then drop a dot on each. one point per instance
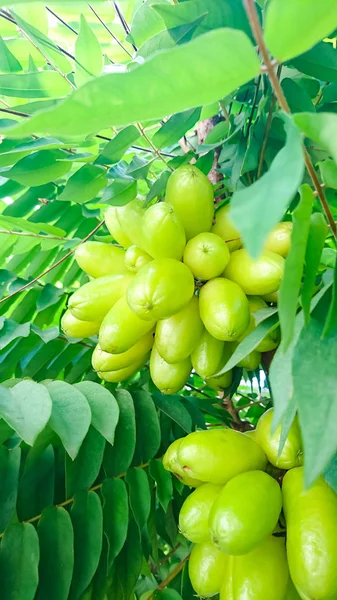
(124, 23)
(256, 93)
(61, 20)
(195, 389)
(170, 577)
(166, 558)
(109, 31)
(155, 150)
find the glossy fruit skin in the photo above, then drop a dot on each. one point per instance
(222, 382)
(103, 361)
(190, 193)
(194, 513)
(121, 328)
(256, 277)
(160, 289)
(272, 298)
(206, 255)
(251, 361)
(163, 234)
(75, 328)
(114, 226)
(136, 258)
(122, 374)
(292, 453)
(130, 218)
(279, 239)
(169, 378)
(170, 463)
(224, 309)
(245, 512)
(206, 569)
(292, 593)
(251, 434)
(202, 453)
(311, 516)
(99, 259)
(224, 228)
(94, 299)
(261, 574)
(177, 336)
(207, 354)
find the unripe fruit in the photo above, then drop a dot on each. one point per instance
(170, 463)
(245, 512)
(136, 258)
(221, 382)
(292, 453)
(272, 339)
(160, 289)
(273, 297)
(121, 328)
(194, 513)
(224, 309)
(99, 259)
(251, 361)
(292, 593)
(169, 378)
(191, 195)
(279, 239)
(207, 355)
(177, 336)
(130, 218)
(206, 255)
(311, 516)
(262, 574)
(224, 228)
(217, 455)
(114, 226)
(206, 569)
(75, 328)
(261, 276)
(94, 299)
(122, 374)
(103, 361)
(163, 234)
(251, 433)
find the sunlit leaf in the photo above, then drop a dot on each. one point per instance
(88, 54)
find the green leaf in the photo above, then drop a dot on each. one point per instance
(293, 27)
(9, 477)
(217, 134)
(173, 408)
(294, 265)
(328, 169)
(114, 150)
(320, 62)
(159, 186)
(129, 562)
(85, 184)
(297, 97)
(321, 128)
(120, 192)
(49, 296)
(25, 225)
(19, 560)
(167, 594)
(83, 471)
(318, 231)
(168, 38)
(87, 519)
(118, 458)
(330, 474)
(147, 427)
(70, 417)
(248, 205)
(104, 408)
(36, 486)
(8, 62)
(139, 494)
(175, 128)
(57, 554)
(224, 50)
(26, 408)
(11, 331)
(163, 481)
(88, 54)
(330, 325)
(115, 516)
(38, 168)
(40, 84)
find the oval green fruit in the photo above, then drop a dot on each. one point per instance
(177, 336)
(245, 512)
(136, 258)
(104, 361)
(279, 239)
(160, 289)
(94, 299)
(99, 259)
(261, 276)
(272, 298)
(206, 255)
(311, 516)
(75, 328)
(163, 232)
(207, 355)
(225, 229)
(292, 593)
(194, 513)
(170, 463)
(292, 453)
(261, 574)
(206, 569)
(121, 328)
(224, 309)
(251, 434)
(122, 374)
(130, 217)
(218, 455)
(169, 378)
(251, 361)
(221, 382)
(190, 193)
(114, 226)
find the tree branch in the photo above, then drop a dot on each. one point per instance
(170, 577)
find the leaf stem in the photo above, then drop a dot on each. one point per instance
(265, 137)
(170, 577)
(155, 150)
(109, 31)
(35, 235)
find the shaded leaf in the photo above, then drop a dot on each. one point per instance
(9, 331)
(147, 427)
(117, 459)
(129, 562)
(82, 472)
(175, 128)
(84, 185)
(8, 62)
(328, 170)
(139, 494)
(320, 127)
(104, 408)
(320, 62)
(36, 486)
(38, 168)
(172, 406)
(163, 480)
(114, 150)
(40, 84)
(115, 516)
(317, 233)
(120, 192)
(9, 478)
(297, 97)
(19, 560)
(331, 319)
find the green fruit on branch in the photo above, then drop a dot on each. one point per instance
(160, 289)
(177, 336)
(136, 258)
(292, 453)
(224, 309)
(279, 239)
(103, 361)
(93, 300)
(163, 234)
(218, 455)
(130, 219)
(292, 593)
(251, 362)
(114, 226)
(75, 328)
(245, 512)
(206, 255)
(121, 328)
(190, 193)
(169, 378)
(170, 463)
(222, 382)
(251, 434)
(206, 569)
(256, 277)
(207, 355)
(224, 228)
(194, 513)
(99, 259)
(272, 298)
(122, 374)
(311, 516)
(261, 574)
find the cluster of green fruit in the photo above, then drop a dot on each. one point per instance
(183, 292)
(234, 517)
